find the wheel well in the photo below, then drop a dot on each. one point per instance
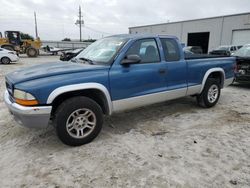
(94, 94)
(218, 76)
(5, 57)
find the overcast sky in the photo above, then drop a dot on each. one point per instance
(56, 18)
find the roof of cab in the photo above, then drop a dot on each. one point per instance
(138, 36)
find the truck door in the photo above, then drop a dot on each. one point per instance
(176, 67)
(140, 81)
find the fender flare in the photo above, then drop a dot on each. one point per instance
(209, 72)
(77, 87)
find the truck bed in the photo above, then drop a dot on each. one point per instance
(198, 66)
(202, 56)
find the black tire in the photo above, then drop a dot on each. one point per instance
(64, 113)
(5, 60)
(203, 99)
(31, 52)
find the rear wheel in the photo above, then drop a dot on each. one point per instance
(210, 94)
(32, 52)
(78, 121)
(5, 60)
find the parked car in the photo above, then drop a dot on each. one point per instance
(112, 75)
(243, 64)
(51, 50)
(194, 49)
(68, 55)
(187, 52)
(224, 50)
(7, 56)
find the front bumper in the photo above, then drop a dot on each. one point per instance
(242, 78)
(14, 58)
(31, 117)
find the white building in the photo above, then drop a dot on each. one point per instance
(208, 33)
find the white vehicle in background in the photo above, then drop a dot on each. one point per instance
(225, 50)
(7, 56)
(51, 50)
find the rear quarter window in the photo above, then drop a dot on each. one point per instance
(171, 49)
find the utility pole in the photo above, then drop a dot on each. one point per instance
(35, 25)
(80, 22)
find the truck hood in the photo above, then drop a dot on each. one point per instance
(50, 69)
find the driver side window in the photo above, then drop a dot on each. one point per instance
(146, 49)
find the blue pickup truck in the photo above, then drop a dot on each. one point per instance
(113, 74)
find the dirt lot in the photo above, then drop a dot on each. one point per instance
(175, 144)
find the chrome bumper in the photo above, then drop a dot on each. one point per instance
(32, 117)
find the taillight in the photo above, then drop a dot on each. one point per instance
(235, 68)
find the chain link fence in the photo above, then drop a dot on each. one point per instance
(65, 44)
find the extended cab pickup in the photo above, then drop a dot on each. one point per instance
(114, 74)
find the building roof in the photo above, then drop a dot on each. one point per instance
(135, 36)
(240, 14)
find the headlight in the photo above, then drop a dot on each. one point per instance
(24, 98)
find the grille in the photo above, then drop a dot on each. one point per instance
(9, 88)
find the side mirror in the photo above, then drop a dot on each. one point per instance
(131, 59)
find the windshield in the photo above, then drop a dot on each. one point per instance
(224, 48)
(103, 50)
(243, 52)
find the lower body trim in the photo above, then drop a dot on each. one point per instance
(135, 102)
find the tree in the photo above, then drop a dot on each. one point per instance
(66, 39)
(26, 36)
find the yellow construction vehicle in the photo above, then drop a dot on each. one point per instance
(12, 41)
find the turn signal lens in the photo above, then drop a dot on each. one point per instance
(26, 102)
(235, 68)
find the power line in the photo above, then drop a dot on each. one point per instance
(55, 24)
(43, 20)
(98, 31)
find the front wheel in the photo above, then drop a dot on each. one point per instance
(5, 60)
(210, 94)
(32, 52)
(78, 121)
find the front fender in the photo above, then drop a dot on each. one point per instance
(77, 87)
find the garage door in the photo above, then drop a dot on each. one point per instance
(241, 37)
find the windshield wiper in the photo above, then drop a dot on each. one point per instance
(87, 60)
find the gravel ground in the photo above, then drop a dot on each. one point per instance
(174, 144)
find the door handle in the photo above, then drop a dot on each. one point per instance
(162, 71)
